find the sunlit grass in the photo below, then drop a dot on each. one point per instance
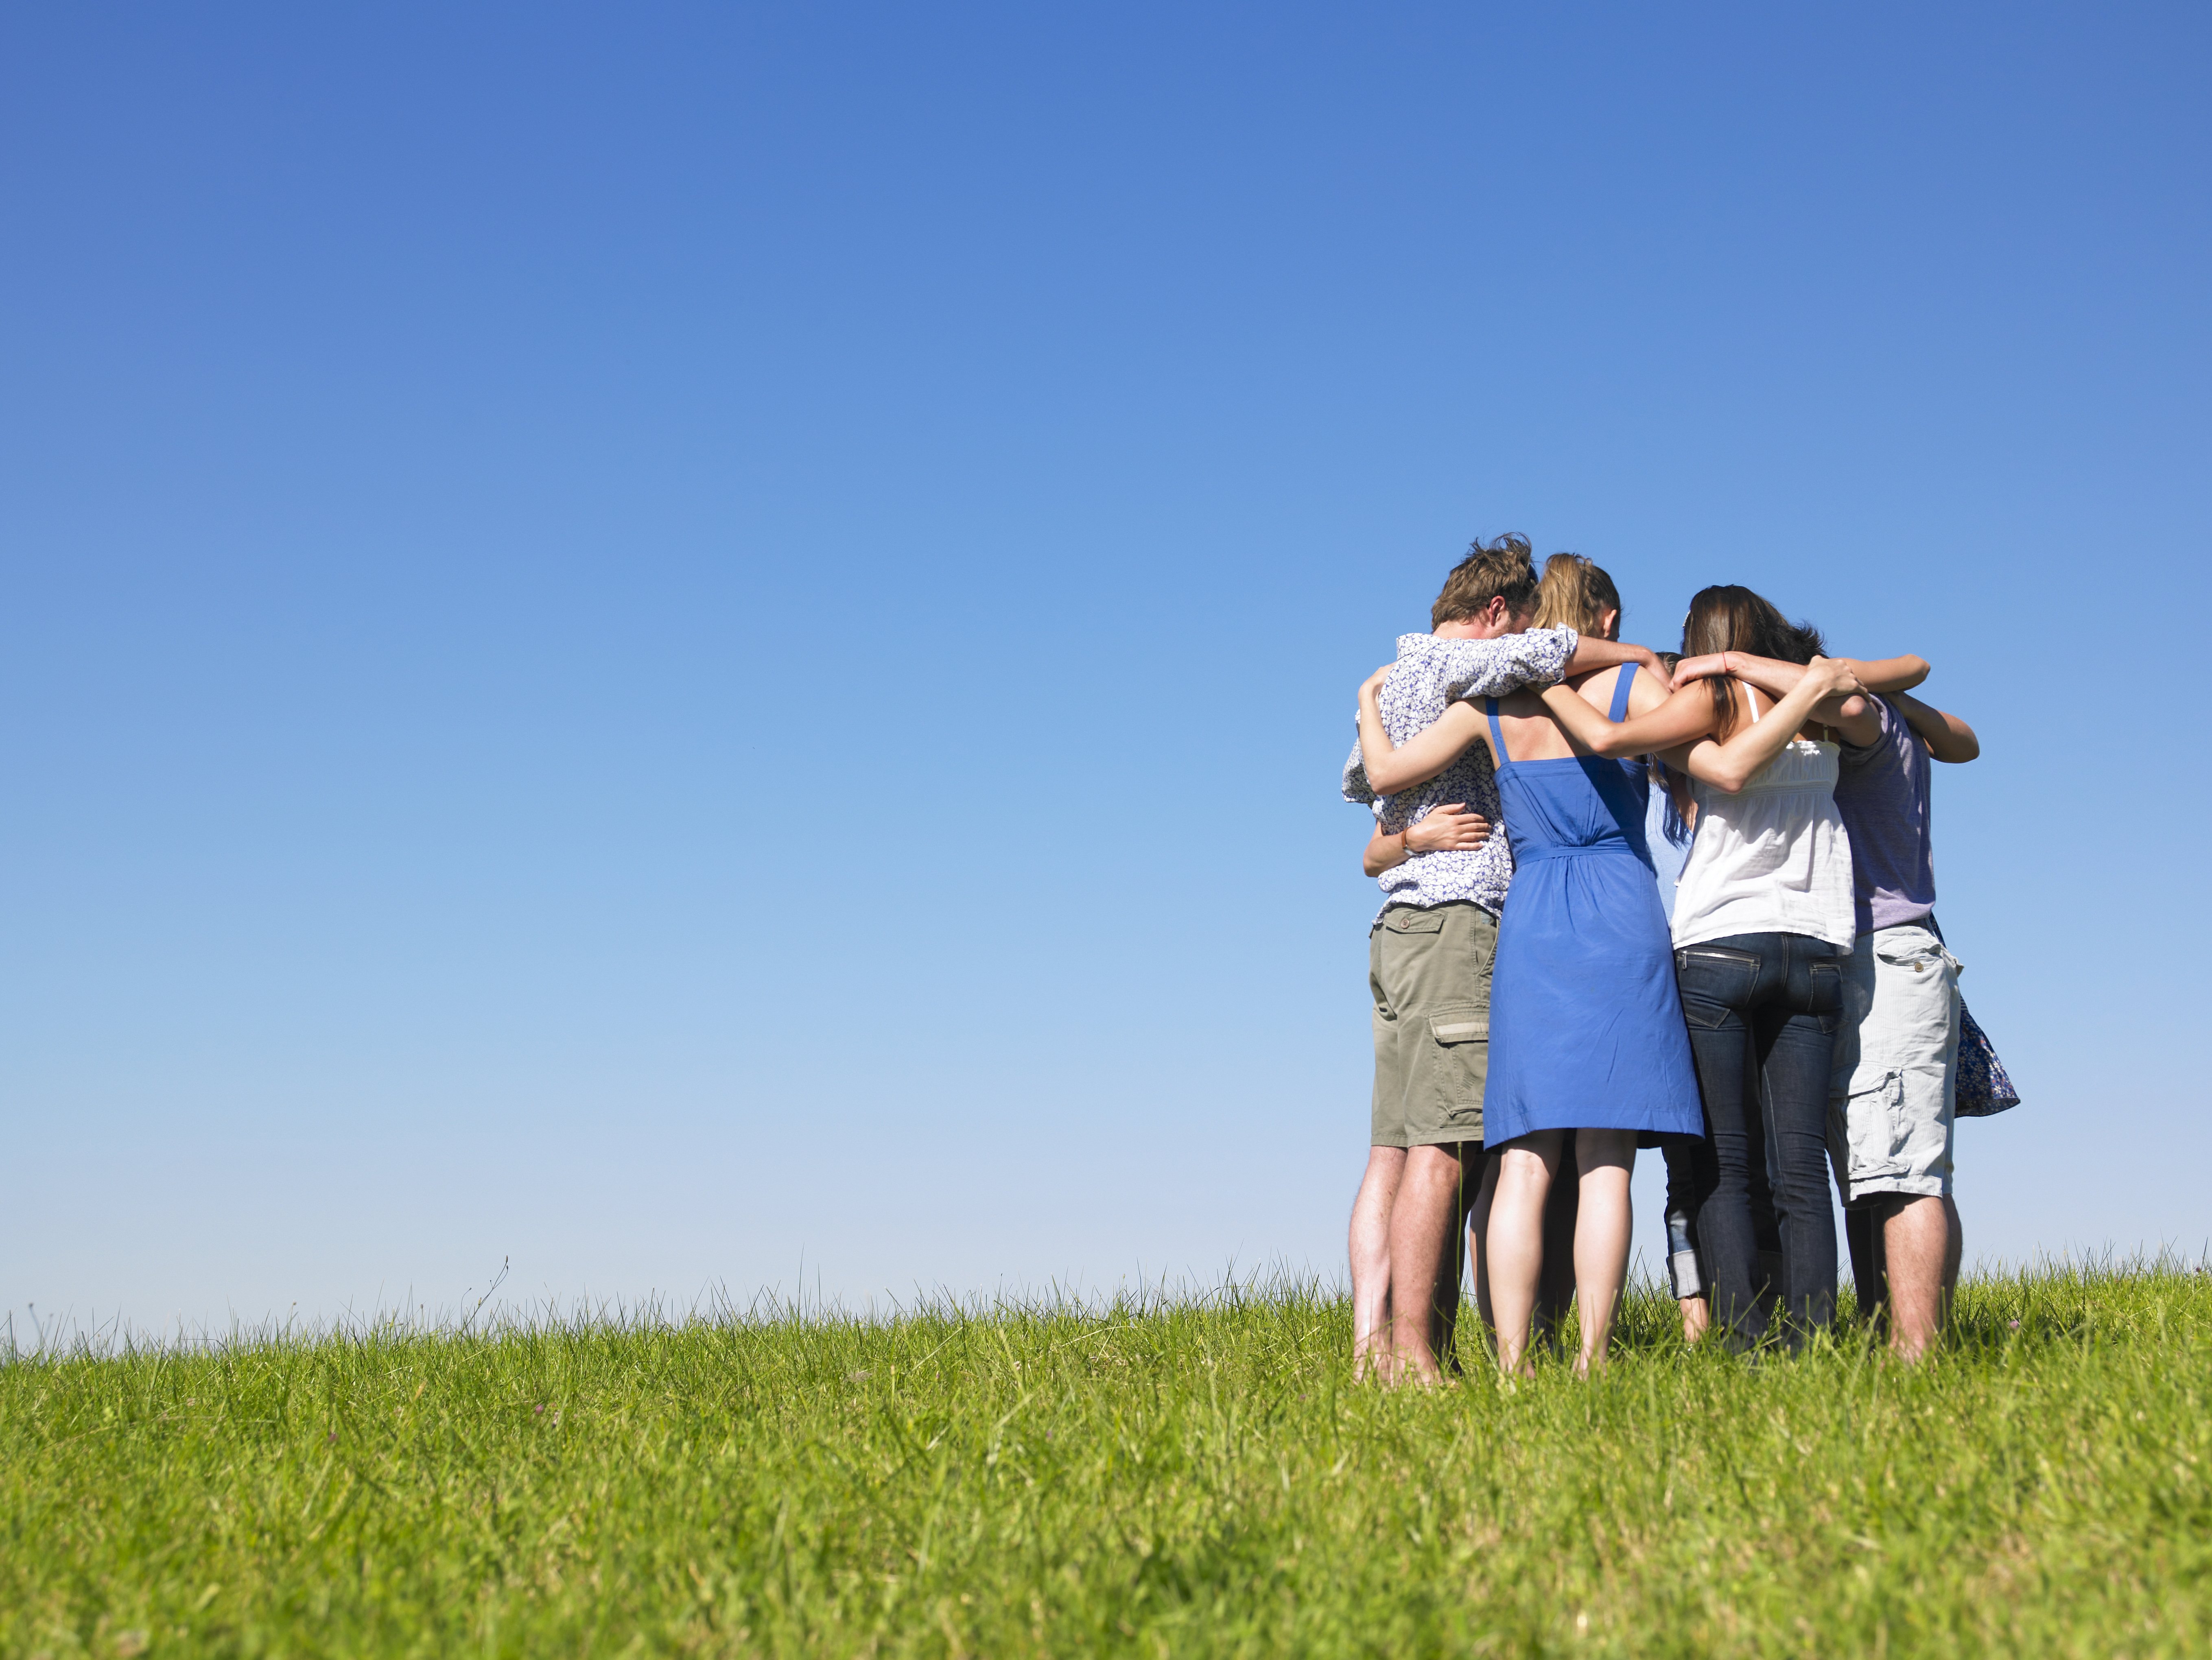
(1194, 1476)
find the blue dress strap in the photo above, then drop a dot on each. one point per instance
(1621, 689)
(1497, 735)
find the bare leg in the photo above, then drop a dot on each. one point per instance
(1370, 1260)
(1916, 1240)
(1555, 1287)
(1423, 1218)
(1515, 1243)
(1608, 1159)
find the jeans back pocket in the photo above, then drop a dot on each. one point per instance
(1713, 980)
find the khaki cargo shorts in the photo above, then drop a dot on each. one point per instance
(1896, 1078)
(1429, 969)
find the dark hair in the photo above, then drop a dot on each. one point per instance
(1728, 618)
(1503, 569)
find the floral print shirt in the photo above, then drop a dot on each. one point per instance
(1431, 674)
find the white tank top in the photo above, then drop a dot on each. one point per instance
(1773, 858)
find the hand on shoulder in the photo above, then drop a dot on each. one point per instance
(1699, 668)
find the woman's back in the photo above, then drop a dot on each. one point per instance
(1773, 857)
(1541, 776)
(1531, 733)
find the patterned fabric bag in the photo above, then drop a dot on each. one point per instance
(1983, 1086)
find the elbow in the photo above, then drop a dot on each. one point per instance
(1608, 745)
(1384, 780)
(1967, 749)
(1728, 781)
(1916, 671)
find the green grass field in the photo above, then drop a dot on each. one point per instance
(1193, 1478)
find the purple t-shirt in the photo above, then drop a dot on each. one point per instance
(1881, 795)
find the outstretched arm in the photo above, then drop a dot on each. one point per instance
(1686, 716)
(1592, 653)
(1502, 663)
(1465, 668)
(1858, 724)
(1947, 736)
(1727, 766)
(1422, 757)
(1536, 657)
(1890, 673)
(1775, 678)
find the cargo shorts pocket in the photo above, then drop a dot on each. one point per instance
(1914, 950)
(1871, 1132)
(1401, 918)
(1459, 1063)
(1911, 1021)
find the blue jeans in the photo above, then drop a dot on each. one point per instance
(1685, 1275)
(1762, 1011)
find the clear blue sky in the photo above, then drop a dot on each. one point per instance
(694, 644)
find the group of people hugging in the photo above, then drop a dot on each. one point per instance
(1638, 899)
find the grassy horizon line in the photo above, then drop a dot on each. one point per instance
(56, 1336)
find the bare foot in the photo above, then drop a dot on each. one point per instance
(1696, 1318)
(1419, 1371)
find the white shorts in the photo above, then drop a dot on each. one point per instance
(1896, 1078)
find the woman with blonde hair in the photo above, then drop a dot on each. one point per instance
(1577, 593)
(1574, 593)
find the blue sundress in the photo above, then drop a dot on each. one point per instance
(1586, 1027)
